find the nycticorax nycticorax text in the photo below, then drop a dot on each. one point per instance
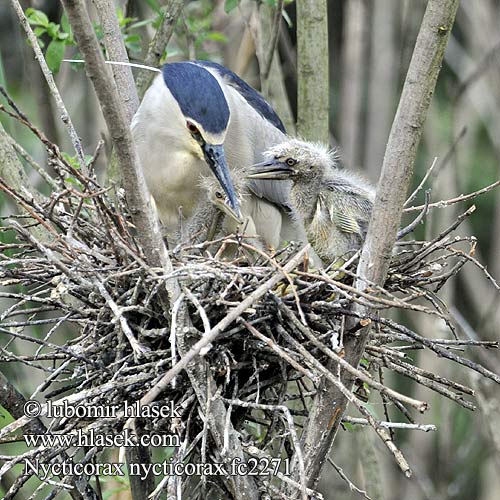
(198, 117)
(334, 205)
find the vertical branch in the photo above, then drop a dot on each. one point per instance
(353, 80)
(66, 119)
(137, 194)
(312, 70)
(170, 13)
(273, 86)
(138, 199)
(116, 51)
(405, 135)
(330, 404)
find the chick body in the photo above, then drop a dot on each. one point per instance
(334, 205)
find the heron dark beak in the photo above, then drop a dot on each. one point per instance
(216, 160)
(271, 169)
(227, 210)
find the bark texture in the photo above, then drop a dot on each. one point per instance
(312, 70)
(116, 51)
(397, 169)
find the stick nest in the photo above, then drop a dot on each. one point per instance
(73, 267)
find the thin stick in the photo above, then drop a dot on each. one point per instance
(66, 119)
(392, 425)
(458, 199)
(351, 485)
(422, 182)
(160, 386)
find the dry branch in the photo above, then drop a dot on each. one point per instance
(66, 119)
(116, 51)
(135, 187)
(391, 194)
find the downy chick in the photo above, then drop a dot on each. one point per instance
(214, 217)
(334, 205)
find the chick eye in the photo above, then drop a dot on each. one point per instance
(291, 162)
(219, 195)
(192, 128)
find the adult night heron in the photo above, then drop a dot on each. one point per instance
(334, 205)
(198, 119)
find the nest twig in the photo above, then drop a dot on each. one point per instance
(90, 278)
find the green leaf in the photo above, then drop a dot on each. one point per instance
(229, 5)
(65, 23)
(39, 31)
(217, 36)
(122, 20)
(37, 17)
(140, 24)
(154, 5)
(132, 38)
(132, 43)
(53, 30)
(55, 54)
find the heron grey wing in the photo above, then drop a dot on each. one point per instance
(266, 217)
(274, 191)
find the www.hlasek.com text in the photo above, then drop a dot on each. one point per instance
(91, 439)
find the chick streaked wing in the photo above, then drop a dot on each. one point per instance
(349, 205)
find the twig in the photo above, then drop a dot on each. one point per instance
(65, 117)
(458, 199)
(219, 328)
(351, 485)
(392, 425)
(421, 406)
(278, 350)
(408, 229)
(169, 15)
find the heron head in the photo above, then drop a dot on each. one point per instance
(296, 160)
(204, 117)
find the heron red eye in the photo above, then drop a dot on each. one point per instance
(192, 128)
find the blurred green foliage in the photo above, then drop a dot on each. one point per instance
(60, 36)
